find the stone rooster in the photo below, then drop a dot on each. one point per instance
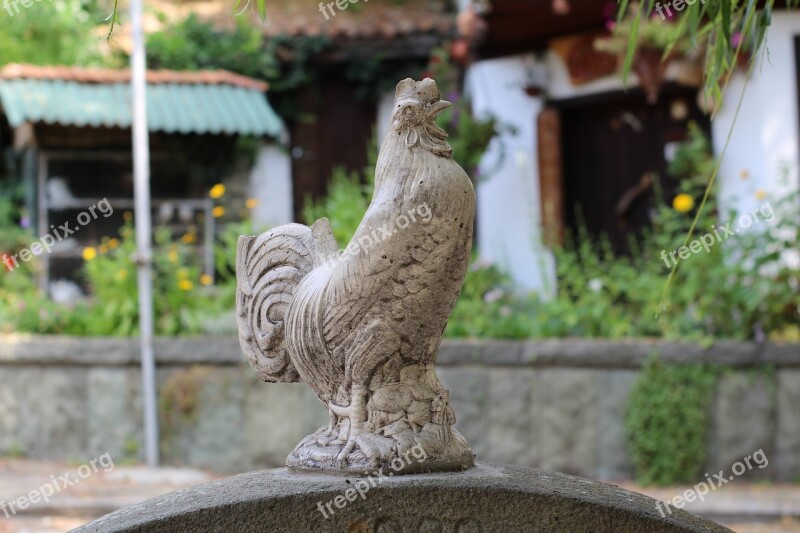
(362, 327)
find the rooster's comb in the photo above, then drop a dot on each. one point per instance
(425, 91)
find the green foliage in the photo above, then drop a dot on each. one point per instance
(488, 307)
(742, 289)
(344, 205)
(186, 302)
(15, 451)
(667, 420)
(50, 33)
(22, 307)
(196, 45)
(12, 235)
(730, 31)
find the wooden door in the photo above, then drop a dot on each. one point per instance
(334, 129)
(612, 148)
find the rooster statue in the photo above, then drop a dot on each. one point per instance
(362, 327)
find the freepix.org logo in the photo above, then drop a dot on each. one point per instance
(64, 231)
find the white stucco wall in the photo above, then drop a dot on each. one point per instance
(271, 185)
(508, 190)
(765, 138)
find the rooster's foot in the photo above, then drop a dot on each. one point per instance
(325, 436)
(341, 459)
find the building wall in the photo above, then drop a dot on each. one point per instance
(271, 185)
(764, 142)
(763, 154)
(508, 190)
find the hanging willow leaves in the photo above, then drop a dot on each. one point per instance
(726, 21)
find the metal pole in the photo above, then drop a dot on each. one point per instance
(141, 173)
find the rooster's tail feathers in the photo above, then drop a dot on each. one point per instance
(269, 268)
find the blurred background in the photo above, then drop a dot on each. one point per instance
(591, 132)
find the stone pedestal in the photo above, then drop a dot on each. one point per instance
(483, 499)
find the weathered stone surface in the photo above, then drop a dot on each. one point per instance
(111, 419)
(512, 432)
(788, 434)
(114, 419)
(52, 407)
(470, 394)
(566, 429)
(613, 457)
(26, 350)
(748, 398)
(10, 423)
(362, 327)
(201, 411)
(597, 353)
(276, 418)
(486, 498)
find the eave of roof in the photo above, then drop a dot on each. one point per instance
(214, 103)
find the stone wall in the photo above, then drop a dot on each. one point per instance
(555, 404)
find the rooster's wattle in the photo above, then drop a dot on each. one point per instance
(363, 328)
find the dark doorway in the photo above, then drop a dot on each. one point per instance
(613, 148)
(334, 130)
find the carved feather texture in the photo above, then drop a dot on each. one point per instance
(269, 268)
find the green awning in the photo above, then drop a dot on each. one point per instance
(171, 107)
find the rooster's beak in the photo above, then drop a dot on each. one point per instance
(439, 106)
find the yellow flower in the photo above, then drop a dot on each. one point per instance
(172, 256)
(218, 211)
(217, 191)
(188, 238)
(251, 203)
(113, 243)
(89, 253)
(102, 248)
(683, 203)
(760, 194)
(122, 274)
(206, 280)
(185, 285)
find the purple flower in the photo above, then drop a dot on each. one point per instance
(25, 222)
(736, 38)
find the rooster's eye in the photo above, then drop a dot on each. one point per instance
(408, 112)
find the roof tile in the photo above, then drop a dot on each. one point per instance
(17, 71)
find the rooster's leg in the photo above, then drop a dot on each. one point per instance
(356, 412)
(329, 434)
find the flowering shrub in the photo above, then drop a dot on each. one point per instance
(186, 301)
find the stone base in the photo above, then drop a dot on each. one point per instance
(482, 499)
(405, 453)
